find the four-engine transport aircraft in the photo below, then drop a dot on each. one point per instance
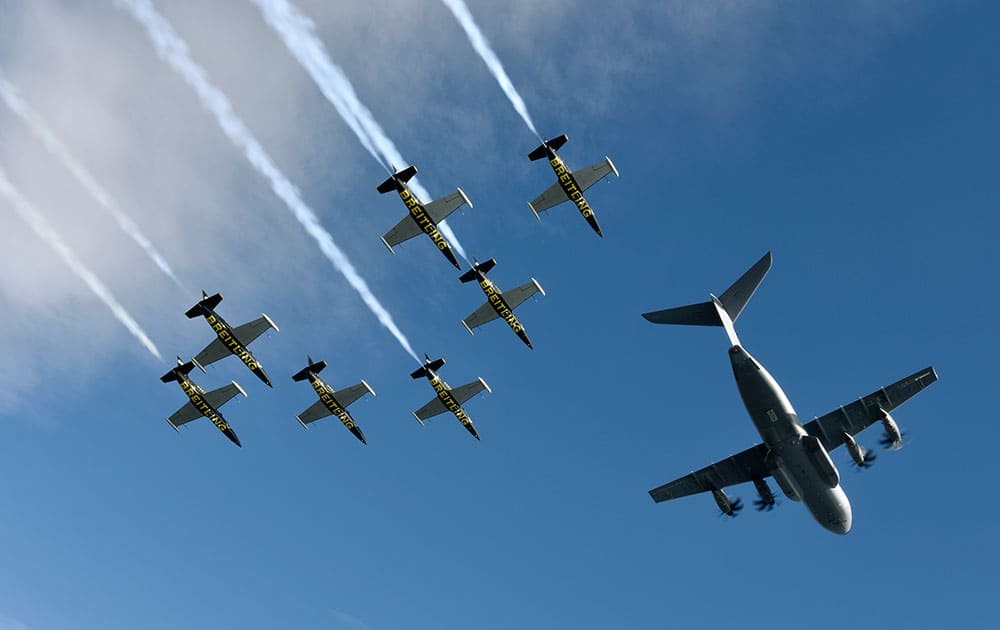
(331, 402)
(202, 403)
(796, 455)
(498, 303)
(422, 218)
(230, 340)
(448, 399)
(570, 184)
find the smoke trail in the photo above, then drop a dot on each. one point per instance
(296, 31)
(44, 231)
(478, 41)
(172, 49)
(10, 96)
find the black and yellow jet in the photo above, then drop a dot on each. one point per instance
(230, 341)
(202, 403)
(422, 218)
(447, 399)
(570, 184)
(331, 402)
(499, 304)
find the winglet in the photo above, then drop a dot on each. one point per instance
(538, 286)
(172, 425)
(612, 165)
(464, 196)
(368, 387)
(199, 365)
(467, 328)
(485, 385)
(532, 208)
(418, 418)
(271, 322)
(387, 245)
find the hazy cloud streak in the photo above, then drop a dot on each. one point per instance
(482, 46)
(172, 49)
(13, 99)
(297, 31)
(41, 227)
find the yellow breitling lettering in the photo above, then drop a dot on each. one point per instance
(501, 308)
(449, 401)
(424, 221)
(231, 343)
(332, 406)
(569, 187)
(202, 406)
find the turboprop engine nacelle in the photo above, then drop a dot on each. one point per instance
(814, 449)
(893, 436)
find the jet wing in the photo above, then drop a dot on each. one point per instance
(482, 315)
(251, 330)
(467, 391)
(315, 411)
(185, 414)
(433, 408)
(212, 353)
(219, 397)
(404, 231)
(861, 414)
(439, 209)
(590, 175)
(515, 297)
(350, 394)
(553, 196)
(741, 467)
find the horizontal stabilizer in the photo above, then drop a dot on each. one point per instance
(434, 365)
(315, 368)
(702, 314)
(483, 267)
(395, 181)
(183, 368)
(554, 144)
(207, 303)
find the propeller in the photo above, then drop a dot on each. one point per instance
(735, 506)
(867, 460)
(888, 443)
(764, 505)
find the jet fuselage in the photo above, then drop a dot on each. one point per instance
(197, 396)
(443, 391)
(495, 298)
(793, 457)
(573, 189)
(426, 223)
(225, 333)
(328, 396)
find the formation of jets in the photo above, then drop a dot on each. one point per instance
(796, 455)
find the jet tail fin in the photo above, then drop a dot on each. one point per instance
(483, 267)
(555, 144)
(207, 302)
(315, 368)
(182, 368)
(393, 182)
(435, 365)
(722, 310)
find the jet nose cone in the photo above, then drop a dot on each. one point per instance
(232, 437)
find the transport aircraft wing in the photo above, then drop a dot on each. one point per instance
(185, 414)
(213, 352)
(219, 397)
(739, 468)
(315, 411)
(553, 196)
(348, 395)
(249, 331)
(862, 413)
(439, 209)
(590, 175)
(404, 231)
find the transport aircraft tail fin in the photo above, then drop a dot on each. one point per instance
(722, 310)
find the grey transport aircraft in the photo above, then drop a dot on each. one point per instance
(230, 341)
(331, 402)
(447, 399)
(422, 218)
(202, 403)
(796, 455)
(499, 304)
(570, 185)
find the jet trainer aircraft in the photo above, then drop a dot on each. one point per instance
(423, 217)
(202, 403)
(570, 185)
(498, 303)
(796, 455)
(230, 340)
(448, 399)
(331, 402)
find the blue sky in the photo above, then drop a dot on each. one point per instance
(858, 145)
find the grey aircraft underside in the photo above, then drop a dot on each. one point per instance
(796, 455)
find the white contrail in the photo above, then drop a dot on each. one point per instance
(13, 99)
(297, 31)
(37, 222)
(478, 41)
(172, 49)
